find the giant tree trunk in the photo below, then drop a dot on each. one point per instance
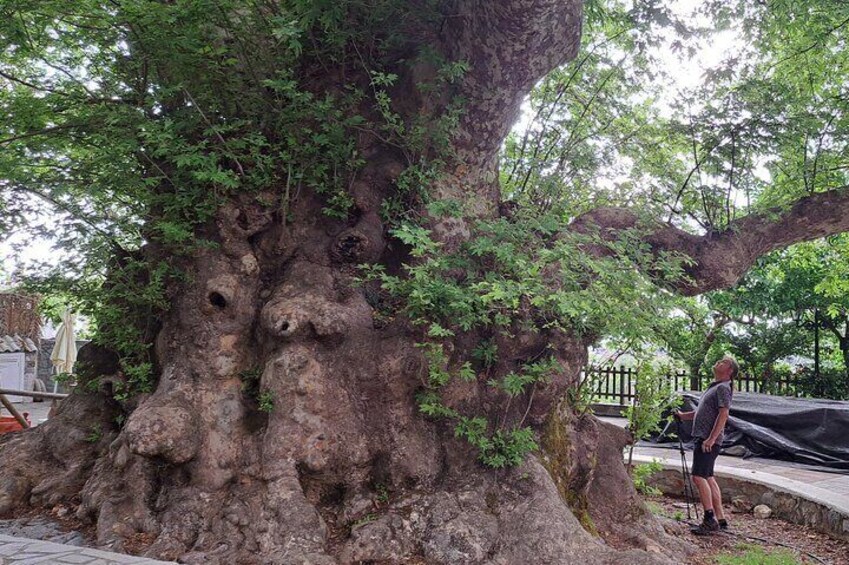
(342, 467)
(335, 464)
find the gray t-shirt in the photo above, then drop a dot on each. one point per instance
(718, 395)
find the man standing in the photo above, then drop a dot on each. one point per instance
(708, 431)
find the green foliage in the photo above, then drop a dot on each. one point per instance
(486, 353)
(750, 554)
(95, 434)
(430, 404)
(654, 395)
(132, 123)
(497, 449)
(766, 124)
(500, 449)
(367, 519)
(266, 401)
(382, 493)
(62, 378)
(124, 309)
(514, 384)
(640, 474)
(769, 317)
(251, 384)
(251, 375)
(251, 389)
(504, 280)
(504, 277)
(831, 382)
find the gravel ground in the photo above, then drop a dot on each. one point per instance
(771, 532)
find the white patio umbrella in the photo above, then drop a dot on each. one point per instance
(64, 353)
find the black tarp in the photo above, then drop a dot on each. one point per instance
(802, 430)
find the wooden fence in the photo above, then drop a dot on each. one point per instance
(617, 385)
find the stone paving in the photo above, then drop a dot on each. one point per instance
(20, 551)
(802, 495)
(40, 528)
(37, 410)
(833, 486)
(24, 551)
(836, 483)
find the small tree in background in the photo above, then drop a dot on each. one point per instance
(654, 395)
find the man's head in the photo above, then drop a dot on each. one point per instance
(725, 369)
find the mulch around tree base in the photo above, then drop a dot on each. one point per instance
(743, 527)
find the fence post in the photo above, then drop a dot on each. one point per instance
(622, 385)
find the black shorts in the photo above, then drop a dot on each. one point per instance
(703, 461)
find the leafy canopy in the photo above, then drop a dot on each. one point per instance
(127, 124)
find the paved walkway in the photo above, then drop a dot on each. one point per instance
(23, 551)
(828, 491)
(37, 410)
(20, 551)
(802, 496)
(831, 487)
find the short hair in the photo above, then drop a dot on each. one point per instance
(735, 368)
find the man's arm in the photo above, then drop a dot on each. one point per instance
(718, 426)
(686, 415)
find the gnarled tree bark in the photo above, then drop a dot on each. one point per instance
(343, 468)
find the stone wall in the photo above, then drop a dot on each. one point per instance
(30, 369)
(45, 366)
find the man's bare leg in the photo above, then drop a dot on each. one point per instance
(716, 498)
(705, 494)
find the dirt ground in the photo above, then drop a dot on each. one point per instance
(770, 533)
(809, 545)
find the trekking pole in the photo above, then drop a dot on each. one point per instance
(685, 474)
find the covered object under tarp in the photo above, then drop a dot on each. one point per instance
(802, 430)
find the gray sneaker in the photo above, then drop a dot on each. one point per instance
(706, 528)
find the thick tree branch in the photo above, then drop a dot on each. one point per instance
(509, 45)
(719, 259)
